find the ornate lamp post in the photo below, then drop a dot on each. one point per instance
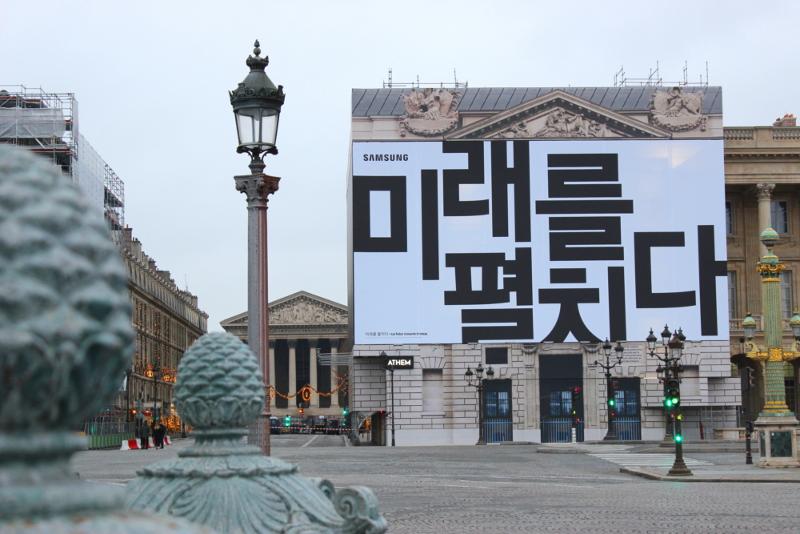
(476, 380)
(776, 422)
(611, 401)
(673, 350)
(257, 106)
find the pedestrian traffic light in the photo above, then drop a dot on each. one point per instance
(345, 411)
(287, 420)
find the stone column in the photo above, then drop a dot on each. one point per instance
(764, 195)
(292, 389)
(334, 377)
(257, 187)
(312, 372)
(272, 371)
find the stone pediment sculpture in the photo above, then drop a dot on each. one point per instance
(558, 122)
(66, 338)
(677, 111)
(226, 484)
(429, 112)
(306, 310)
(557, 114)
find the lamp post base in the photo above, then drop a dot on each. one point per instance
(679, 469)
(777, 440)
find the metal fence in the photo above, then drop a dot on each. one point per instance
(559, 430)
(498, 430)
(628, 428)
(105, 432)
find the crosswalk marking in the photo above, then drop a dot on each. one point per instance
(646, 459)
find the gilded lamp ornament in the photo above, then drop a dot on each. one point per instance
(65, 342)
(226, 484)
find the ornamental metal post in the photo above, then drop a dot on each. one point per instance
(611, 403)
(776, 422)
(476, 380)
(392, 372)
(256, 105)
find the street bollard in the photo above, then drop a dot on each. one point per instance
(65, 342)
(748, 459)
(226, 484)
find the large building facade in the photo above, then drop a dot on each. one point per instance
(166, 320)
(307, 335)
(530, 394)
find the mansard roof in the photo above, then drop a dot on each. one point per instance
(389, 102)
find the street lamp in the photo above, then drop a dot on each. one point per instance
(257, 106)
(611, 401)
(776, 422)
(672, 344)
(476, 380)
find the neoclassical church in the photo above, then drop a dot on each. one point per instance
(530, 392)
(303, 326)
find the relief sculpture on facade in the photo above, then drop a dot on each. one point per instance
(429, 112)
(303, 311)
(563, 123)
(677, 111)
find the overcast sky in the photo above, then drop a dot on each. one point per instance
(151, 79)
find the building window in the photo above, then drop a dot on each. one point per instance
(432, 391)
(787, 292)
(496, 355)
(780, 216)
(728, 218)
(732, 312)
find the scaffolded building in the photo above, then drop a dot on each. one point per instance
(47, 124)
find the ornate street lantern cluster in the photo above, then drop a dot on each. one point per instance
(672, 345)
(476, 380)
(611, 401)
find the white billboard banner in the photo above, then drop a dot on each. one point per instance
(531, 241)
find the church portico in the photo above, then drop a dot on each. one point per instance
(302, 327)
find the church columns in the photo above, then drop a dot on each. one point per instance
(334, 374)
(292, 389)
(764, 194)
(313, 347)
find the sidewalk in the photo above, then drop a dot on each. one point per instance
(720, 473)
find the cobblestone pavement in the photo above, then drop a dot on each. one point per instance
(512, 489)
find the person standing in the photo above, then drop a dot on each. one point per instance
(144, 435)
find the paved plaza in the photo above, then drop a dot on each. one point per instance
(515, 488)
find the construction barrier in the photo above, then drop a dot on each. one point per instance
(133, 444)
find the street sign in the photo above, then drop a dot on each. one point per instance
(400, 362)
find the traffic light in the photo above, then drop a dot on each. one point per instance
(672, 393)
(345, 411)
(287, 421)
(677, 437)
(576, 401)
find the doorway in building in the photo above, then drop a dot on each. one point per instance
(561, 397)
(628, 420)
(497, 423)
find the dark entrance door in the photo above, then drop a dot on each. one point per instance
(560, 392)
(497, 423)
(628, 422)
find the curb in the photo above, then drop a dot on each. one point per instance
(665, 478)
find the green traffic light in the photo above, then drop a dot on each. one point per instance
(678, 438)
(675, 401)
(612, 402)
(668, 402)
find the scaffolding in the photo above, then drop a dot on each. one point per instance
(654, 78)
(47, 124)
